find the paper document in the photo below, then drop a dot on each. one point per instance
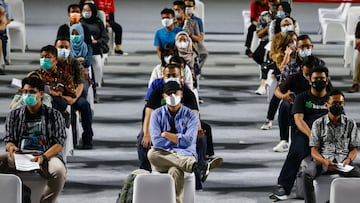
(343, 168)
(23, 162)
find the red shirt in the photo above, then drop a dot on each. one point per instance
(106, 5)
(256, 9)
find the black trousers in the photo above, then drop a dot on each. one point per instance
(299, 149)
(117, 29)
(250, 35)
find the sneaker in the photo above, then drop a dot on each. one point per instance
(260, 91)
(202, 168)
(215, 162)
(7, 62)
(119, 52)
(282, 146)
(354, 88)
(279, 194)
(266, 126)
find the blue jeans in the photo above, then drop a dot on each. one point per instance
(83, 106)
(284, 120)
(142, 153)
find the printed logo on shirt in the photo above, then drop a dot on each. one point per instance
(311, 105)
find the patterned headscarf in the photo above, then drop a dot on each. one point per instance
(187, 53)
(80, 48)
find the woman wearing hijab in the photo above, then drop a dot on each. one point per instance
(79, 49)
(183, 44)
(99, 39)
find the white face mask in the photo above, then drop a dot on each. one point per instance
(167, 22)
(177, 15)
(181, 45)
(287, 28)
(167, 59)
(172, 79)
(86, 14)
(292, 45)
(63, 53)
(173, 100)
(189, 10)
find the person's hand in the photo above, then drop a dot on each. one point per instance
(201, 133)
(288, 51)
(38, 159)
(94, 41)
(288, 97)
(81, 59)
(12, 149)
(330, 165)
(146, 141)
(107, 24)
(347, 161)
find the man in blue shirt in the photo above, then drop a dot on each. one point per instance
(173, 131)
(166, 35)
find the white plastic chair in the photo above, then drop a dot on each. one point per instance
(322, 187)
(330, 11)
(200, 10)
(246, 18)
(101, 14)
(333, 27)
(10, 188)
(17, 32)
(349, 46)
(154, 188)
(345, 190)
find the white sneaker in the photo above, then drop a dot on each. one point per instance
(260, 91)
(266, 126)
(283, 146)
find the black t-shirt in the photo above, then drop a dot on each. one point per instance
(156, 100)
(296, 83)
(311, 106)
(64, 31)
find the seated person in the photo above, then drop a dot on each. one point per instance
(174, 130)
(36, 120)
(334, 141)
(58, 83)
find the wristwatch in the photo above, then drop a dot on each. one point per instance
(44, 157)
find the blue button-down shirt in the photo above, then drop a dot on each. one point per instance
(186, 124)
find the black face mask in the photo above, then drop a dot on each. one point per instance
(336, 109)
(318, 85)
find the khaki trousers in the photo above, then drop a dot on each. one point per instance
(173, 164)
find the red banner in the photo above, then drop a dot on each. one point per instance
(327, 1)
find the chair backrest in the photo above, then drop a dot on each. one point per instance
(352, 19)
(200, 10)
(102, 16)
(343, 14)
(345, 190)
(10, 188)
(17, 10)
(154, 188)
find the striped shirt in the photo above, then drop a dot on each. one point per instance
(52, 121)
(334, 142)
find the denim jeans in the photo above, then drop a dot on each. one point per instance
(284, 120)
(142, 153)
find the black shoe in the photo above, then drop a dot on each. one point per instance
(279, 194)
(202, 168)
(119, 52)
(249, 53)
(7, 62)
(85, 147)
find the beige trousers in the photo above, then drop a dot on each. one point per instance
(173, 164)
(55, 173)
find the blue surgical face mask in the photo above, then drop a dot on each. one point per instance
(281, 14)
(304, 52)
(63, 53)
(29, 99)
(45, 63)
(75, 38)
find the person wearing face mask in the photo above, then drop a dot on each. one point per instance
(166, 35)
(283, 21)
(58, 84)
(166, 54)
(36, 121)
(287, 91)
(74, 13)
(174, 130)
(333, 141)
(308, 106)
(99, 40)
(73, 67)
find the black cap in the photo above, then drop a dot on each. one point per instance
(171, 85)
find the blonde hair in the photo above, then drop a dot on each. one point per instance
(278, 46)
